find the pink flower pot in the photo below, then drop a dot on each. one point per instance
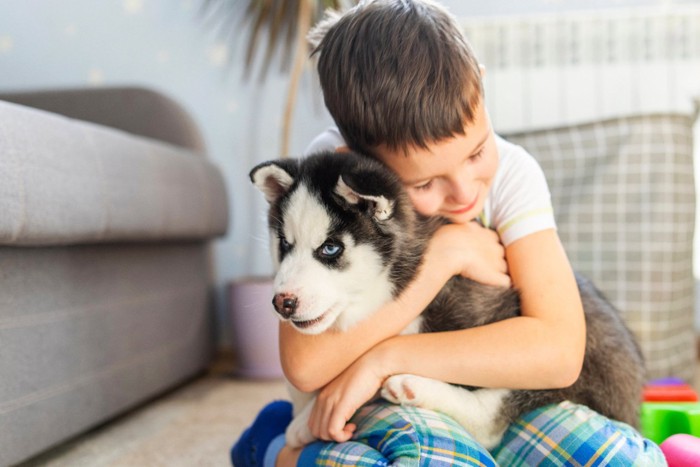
(254, 328)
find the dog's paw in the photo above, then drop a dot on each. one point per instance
(298, 433)
(404, 389)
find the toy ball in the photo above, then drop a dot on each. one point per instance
(682, 450)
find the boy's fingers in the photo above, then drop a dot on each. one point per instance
(317, 423)
(504, 280)
(336, 430)
(327, 429)
(345, 434)
(340, 430)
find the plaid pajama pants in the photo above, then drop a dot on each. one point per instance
(556, 435)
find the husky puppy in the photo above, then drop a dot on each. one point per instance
(345, 240)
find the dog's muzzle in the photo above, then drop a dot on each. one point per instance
(285, 304)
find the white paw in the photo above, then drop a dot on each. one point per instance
(404, 389)
(298, 433)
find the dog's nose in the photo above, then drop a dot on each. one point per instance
(285, 304)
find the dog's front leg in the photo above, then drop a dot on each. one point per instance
(298, 433)
(477, 411)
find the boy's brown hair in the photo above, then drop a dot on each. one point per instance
(397, 73)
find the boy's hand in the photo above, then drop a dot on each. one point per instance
(337, 402)
(469, 250)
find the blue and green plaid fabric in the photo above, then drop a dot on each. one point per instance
(557, 435)
(389, 434)
(572, 434)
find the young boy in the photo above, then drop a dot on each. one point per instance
(403, 85)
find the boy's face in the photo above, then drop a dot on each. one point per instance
(450, 178)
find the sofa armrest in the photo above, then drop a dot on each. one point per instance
(134, 110)
(66, 181)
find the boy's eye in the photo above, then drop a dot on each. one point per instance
(424, 186)
(477, 155)
(330, 250)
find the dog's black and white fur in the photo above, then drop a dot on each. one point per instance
(345, 240)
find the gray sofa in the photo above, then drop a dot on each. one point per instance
(107, 211)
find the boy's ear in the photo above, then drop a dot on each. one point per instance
(380, 207)
(274, 178)
(482, 69)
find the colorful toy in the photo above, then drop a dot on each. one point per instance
(661, 420)
(682, 450)
(669, 390)
(671, 418)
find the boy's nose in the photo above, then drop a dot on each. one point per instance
(460, 192)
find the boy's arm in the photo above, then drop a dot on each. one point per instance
(311, 362)
(541, 349)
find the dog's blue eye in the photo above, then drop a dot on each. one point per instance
(331, 250)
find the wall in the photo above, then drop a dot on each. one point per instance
(169, 46)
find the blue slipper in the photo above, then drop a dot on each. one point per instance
(272, 421)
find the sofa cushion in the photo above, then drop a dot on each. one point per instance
(64, 181)
(90, 331)
(623, 194)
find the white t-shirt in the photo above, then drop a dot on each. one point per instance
(519, 202)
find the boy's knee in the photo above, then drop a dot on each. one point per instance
(573, 433)
(407, 435)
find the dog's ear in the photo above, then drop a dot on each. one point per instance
(274, 178)
(380, 207)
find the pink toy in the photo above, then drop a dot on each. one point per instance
(682, 450)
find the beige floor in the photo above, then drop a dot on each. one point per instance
(194, 425)
(191, 426)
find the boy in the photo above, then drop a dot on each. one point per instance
(403, 86)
